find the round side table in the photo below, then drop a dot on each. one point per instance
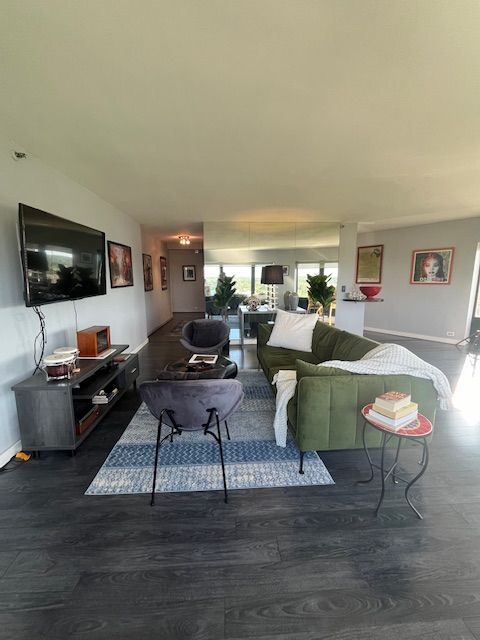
(416, 433)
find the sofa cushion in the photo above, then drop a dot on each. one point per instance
(324, 340)
(306, 369)
(293, 331)
(351, 347)
(272, 359)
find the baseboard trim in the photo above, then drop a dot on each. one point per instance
(406, 334)
(10, 452)
(140, 346)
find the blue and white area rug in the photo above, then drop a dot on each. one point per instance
(192, 461)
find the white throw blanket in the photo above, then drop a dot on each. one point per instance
(386, 359)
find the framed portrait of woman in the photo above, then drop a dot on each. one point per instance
(432, 266)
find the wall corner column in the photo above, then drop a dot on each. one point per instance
(349, 316)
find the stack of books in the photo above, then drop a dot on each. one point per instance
(394, 409)
(103, 397)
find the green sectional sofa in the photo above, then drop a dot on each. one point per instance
(325, 412)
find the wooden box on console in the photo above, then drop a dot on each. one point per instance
(93, 341)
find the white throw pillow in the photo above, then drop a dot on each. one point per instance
(293, 331)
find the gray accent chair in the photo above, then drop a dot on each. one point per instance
(205, 336)
(191, 405)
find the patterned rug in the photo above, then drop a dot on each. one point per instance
(192, 463)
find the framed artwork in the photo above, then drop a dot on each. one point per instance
(189, 272)
(285, 269)
(120, 263)
(163, 273)
(369, 264)
(147, 272)
(432, 266)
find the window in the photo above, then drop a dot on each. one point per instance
(331, 269)
(243, 277)
(211, 273)
(259, 288)
(314, 269)
(303, 270)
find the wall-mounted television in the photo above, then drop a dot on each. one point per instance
(62, 260)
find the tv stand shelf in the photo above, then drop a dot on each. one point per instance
(49, 412)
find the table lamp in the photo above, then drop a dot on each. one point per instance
(272, 274)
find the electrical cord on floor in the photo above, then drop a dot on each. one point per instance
(18, 460)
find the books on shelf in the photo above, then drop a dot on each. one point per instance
(393, 400)
(103, 397)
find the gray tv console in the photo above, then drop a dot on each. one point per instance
(49, 412)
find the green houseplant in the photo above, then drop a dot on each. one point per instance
(224, 292)
(319, 290)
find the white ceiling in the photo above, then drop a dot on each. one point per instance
(251, 110)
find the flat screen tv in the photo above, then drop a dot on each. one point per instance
(62, 260)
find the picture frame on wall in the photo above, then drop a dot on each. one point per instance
(286, 269)
(120, 263)
(147, 272)
(163, 273)
(432, 266)
(369, 264)
(189, 272)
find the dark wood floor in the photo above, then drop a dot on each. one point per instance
(298, 563)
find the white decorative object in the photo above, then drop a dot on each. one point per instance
(356, 294)
(253, 303)
(293, 300)
(293, 331)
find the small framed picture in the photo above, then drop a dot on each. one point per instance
(203, 357)
(286, 269)
(163, 273)
(189, 272)
(147, 272)
(369, 264)
(432, 266)
(120, 262)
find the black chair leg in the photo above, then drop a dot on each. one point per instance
(221, 457)
(159, 435)
(302, 453)
(228, 432)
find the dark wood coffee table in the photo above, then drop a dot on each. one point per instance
(225, 368)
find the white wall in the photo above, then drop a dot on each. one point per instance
(349, 316)
(424, 310)
(186, 296)
(32, 182)
(158, 305)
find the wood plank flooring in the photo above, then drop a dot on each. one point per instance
(305, 563)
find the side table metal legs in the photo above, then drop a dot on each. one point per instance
(368, 456)
(384, 474)
(418, 476)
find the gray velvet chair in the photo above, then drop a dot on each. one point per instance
(205, 336)
(191, 405)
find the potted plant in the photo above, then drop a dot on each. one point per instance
(320, 291)
(224, 292)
